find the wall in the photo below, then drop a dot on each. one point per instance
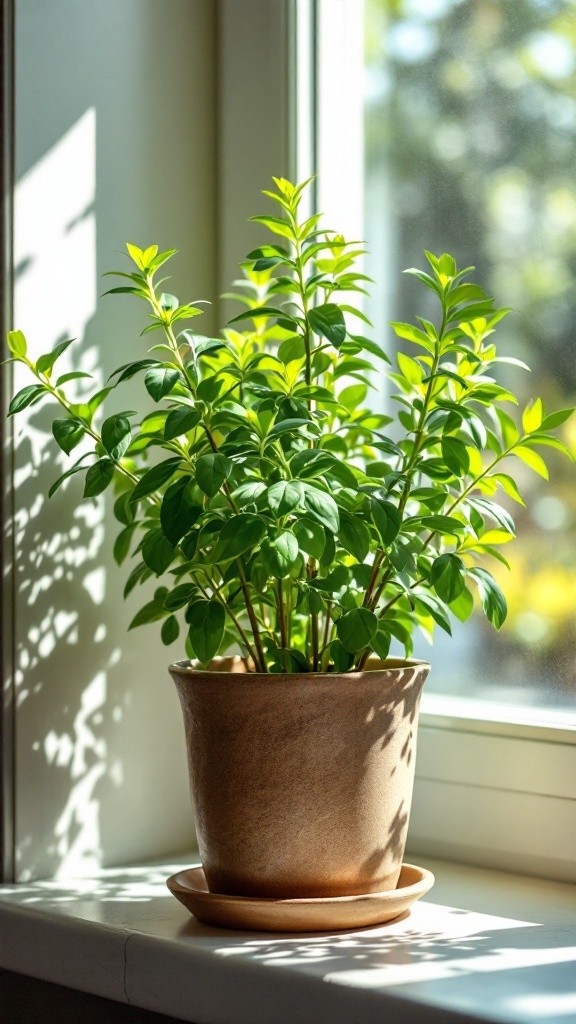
(115, 141)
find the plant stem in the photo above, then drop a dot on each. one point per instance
(315, 641)
(304, 297)
(327, 624)
(373, 578)
(282, 616)
(260, 661)
(219, 596)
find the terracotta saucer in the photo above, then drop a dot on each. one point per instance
(302, 915)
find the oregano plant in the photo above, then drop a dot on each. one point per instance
(283, 513)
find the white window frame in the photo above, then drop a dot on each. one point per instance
(492, 786)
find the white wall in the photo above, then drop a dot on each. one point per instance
(115, 141)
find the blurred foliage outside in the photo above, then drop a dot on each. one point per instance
(470, 148)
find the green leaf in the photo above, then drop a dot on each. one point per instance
(95, 402)
(549, 441)
(509, 486)
(160, 381)
(249, 492)
(448, 576)
(322, 508)
(267, 252)
(17, 343)
(434, 607)
(284, 496)
(98, 478)
(532, 416)
(312, 462)
(292, 425)
(178, 597)
(179, 511)
(342, 659)
(356, 629)
(464, 293)
(211, 472)
(387, 519)
(292, 349)
(555, 419)
(240, 533)
(123, 510)
(138, 575)
(206, 629)
(73, 375)
(46, 362)
(180, 421)
(440, 524)
(510, 432)
(310, 536)
(129, 370)
(328, 321)
(126, 290)
(472, 312)
(380, 644)
(209, 389)
(122, 543)
(154, 478)
(532, 459)
(463, 605)
(291, 659)
(492, 598)
(116, 435)
(280, 555)
(170, 630)
(67, 433)
(353, 396)
(276, 225)
(76, 468)
(410, 369)
(251, 314)
(27, 396)
(354, 535)
(157, 551)
(425, 278)
(497, 513)
(168, 302)
(151, 612)
(455, 455)
(411, 333)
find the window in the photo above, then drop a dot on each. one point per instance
(451, 125)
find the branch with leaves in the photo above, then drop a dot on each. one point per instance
(279, 511)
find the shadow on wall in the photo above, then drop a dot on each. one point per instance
(60, 579)
(81, 802)
(97, 714)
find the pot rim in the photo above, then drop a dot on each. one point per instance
(385, 668)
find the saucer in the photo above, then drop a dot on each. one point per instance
(301, 915)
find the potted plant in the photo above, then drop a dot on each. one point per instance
(298, 528)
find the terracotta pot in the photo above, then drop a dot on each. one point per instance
(301, 784)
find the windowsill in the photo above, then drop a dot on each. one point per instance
(483, 946)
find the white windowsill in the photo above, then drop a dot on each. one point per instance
(483, 946)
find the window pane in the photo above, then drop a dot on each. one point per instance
(470, 148)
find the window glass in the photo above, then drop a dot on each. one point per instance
(470, 148)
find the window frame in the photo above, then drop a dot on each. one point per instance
(7, 703)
